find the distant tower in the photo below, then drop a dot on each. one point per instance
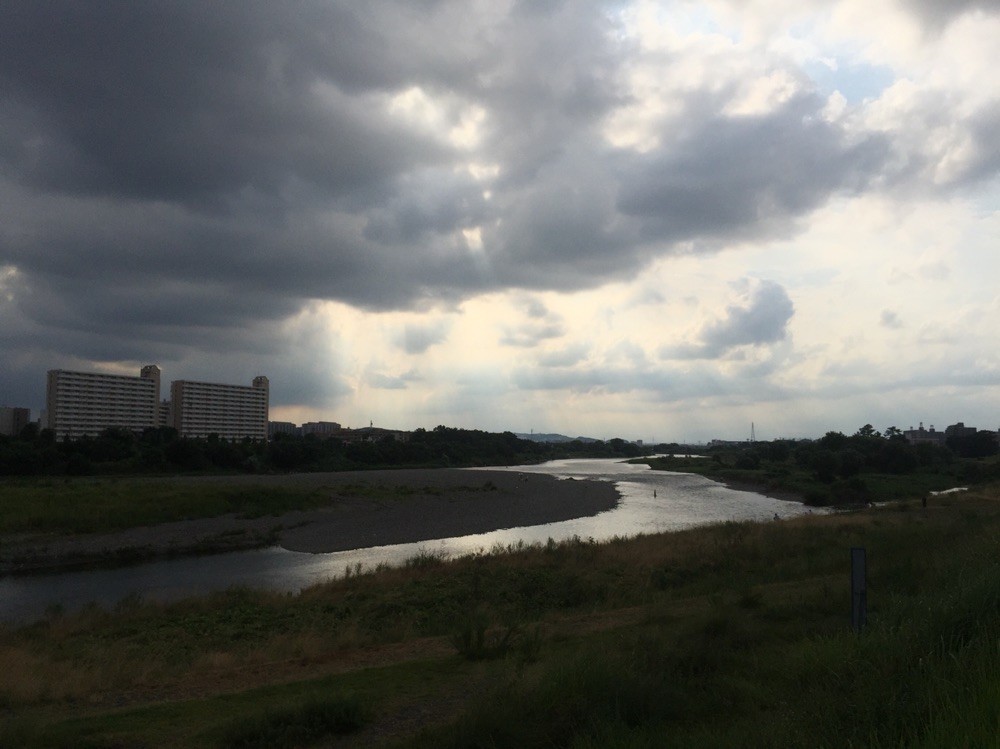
(753, 436)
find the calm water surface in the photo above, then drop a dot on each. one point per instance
(681, 501)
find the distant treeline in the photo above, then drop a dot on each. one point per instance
(837, 468)
(836, 454)
(163, 451)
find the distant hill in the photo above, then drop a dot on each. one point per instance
(554, 438)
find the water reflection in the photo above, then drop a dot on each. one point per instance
(652, 501)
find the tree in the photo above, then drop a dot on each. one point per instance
(825, 465)
(30, 432)
(851, 463)
(894, 433)
(867, 431)
(978, 445)
(833, 440)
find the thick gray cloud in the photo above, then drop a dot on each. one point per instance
(179, 177)
(760, 317)
(937, 12)
(416, 339)
(734, 176)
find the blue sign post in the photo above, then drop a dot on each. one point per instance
(859, 589)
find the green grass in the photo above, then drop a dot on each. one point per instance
(732, 635)
(89, 505)
(93, 505)
(295, 725)
(760, 676)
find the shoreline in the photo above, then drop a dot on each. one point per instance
(366, 508)
(762, 489)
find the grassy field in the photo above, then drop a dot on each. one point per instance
(732, 635)
(88, 505)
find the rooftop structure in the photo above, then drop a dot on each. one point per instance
(924, 436)
(322, 428)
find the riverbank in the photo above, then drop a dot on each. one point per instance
(357, 509)
(725, 635)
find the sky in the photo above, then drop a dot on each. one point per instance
(663, 221)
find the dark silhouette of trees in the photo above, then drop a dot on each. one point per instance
(836, 460)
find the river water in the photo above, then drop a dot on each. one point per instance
(651, 502)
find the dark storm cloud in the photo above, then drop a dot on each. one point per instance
(188, 101)
(746, 175)
(427, 204)
(187, 174)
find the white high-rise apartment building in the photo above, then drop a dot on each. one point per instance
(199, 409)
(86, 403)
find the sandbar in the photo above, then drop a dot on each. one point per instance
(365, 509)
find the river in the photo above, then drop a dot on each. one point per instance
(651, 502)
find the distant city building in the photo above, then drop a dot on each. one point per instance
(923, 436)
(959, 430)
(374, 434)
(200, 409)
(13, 420)
(163, 414)
(324, 429)
(86, 403)
(281, 427)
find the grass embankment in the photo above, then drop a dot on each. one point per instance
(733, 635)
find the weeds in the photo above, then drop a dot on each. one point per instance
(278, 728)
(476, 638)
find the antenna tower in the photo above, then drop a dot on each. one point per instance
(753, 436)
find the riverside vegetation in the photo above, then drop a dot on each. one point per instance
(841, 470)
(729, 635)
(162, 451)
